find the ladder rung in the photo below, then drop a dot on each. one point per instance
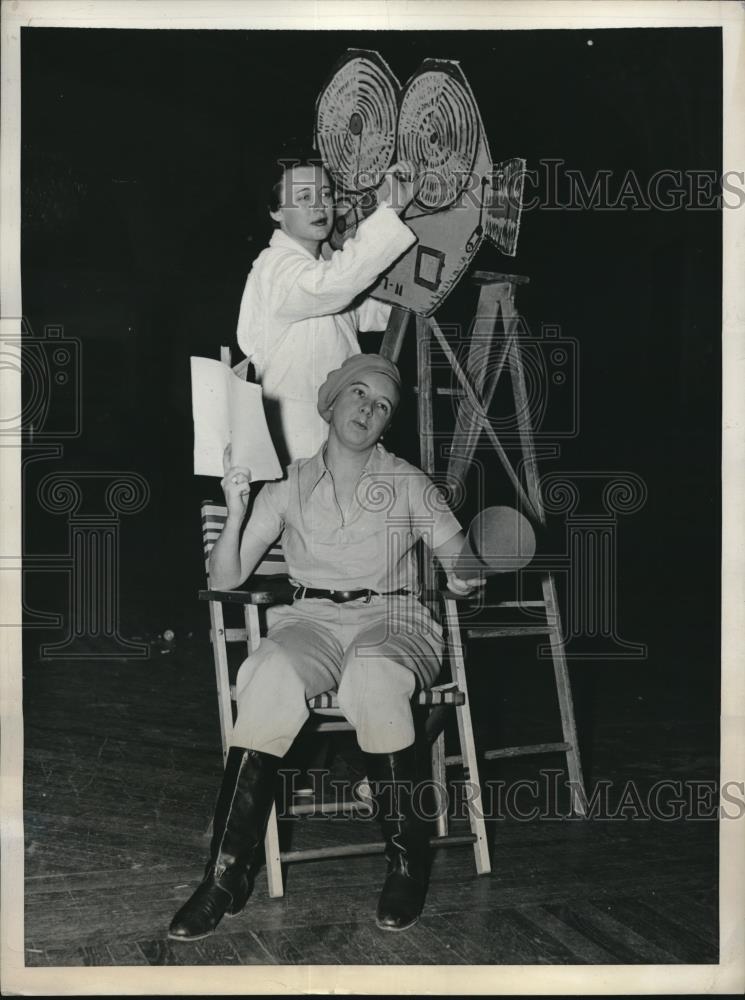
(452, 840)
(335, 726)
(329, 808)
(232, 635)
(344, 850)
(519, 604)
(492, 631)
(351, 850)
(444, 391)
(497, 278)
(527, 750)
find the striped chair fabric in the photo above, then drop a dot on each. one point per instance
(449, 695)
(435, 696)
(213, 521)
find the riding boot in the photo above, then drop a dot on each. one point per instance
(239, 826)
(393, 778)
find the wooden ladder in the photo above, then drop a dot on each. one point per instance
(477, 382)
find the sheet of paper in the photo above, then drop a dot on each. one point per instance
(227, 410)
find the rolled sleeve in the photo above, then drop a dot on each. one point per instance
(269, 511)
(373, 315)
(431, 517)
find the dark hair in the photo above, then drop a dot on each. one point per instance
(285, 158)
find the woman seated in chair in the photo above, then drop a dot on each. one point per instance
(350, 517)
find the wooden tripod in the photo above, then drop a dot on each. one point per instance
(477, 381)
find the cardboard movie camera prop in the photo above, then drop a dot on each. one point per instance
(365, 122)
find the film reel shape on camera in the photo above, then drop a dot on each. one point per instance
(365, 122)
(356, 118)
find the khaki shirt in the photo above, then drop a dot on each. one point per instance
(368, 546)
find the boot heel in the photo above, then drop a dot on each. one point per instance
(239, 900)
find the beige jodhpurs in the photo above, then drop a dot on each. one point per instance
(375, 655)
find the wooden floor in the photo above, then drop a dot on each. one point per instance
(122, 766)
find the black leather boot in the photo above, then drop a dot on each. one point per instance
(239, 827)
(393, 777)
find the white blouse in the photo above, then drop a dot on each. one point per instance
(297, 321)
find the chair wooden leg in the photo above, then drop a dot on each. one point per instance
(439, 777)
(564, 691)
(467, 742)
(273, 862)
(475, 802)
(221, 675)
(253, 627)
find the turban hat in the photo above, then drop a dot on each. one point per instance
(352, 370)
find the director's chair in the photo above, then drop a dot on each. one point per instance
(269, 585)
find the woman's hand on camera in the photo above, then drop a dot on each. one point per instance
(399, 186)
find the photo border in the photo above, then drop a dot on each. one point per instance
(421, 15)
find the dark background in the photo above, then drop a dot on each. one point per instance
(143, 210)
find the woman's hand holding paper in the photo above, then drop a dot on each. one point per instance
(236, 485)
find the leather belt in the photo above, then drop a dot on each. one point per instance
(342, 596)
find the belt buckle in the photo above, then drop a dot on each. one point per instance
(344, 596)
